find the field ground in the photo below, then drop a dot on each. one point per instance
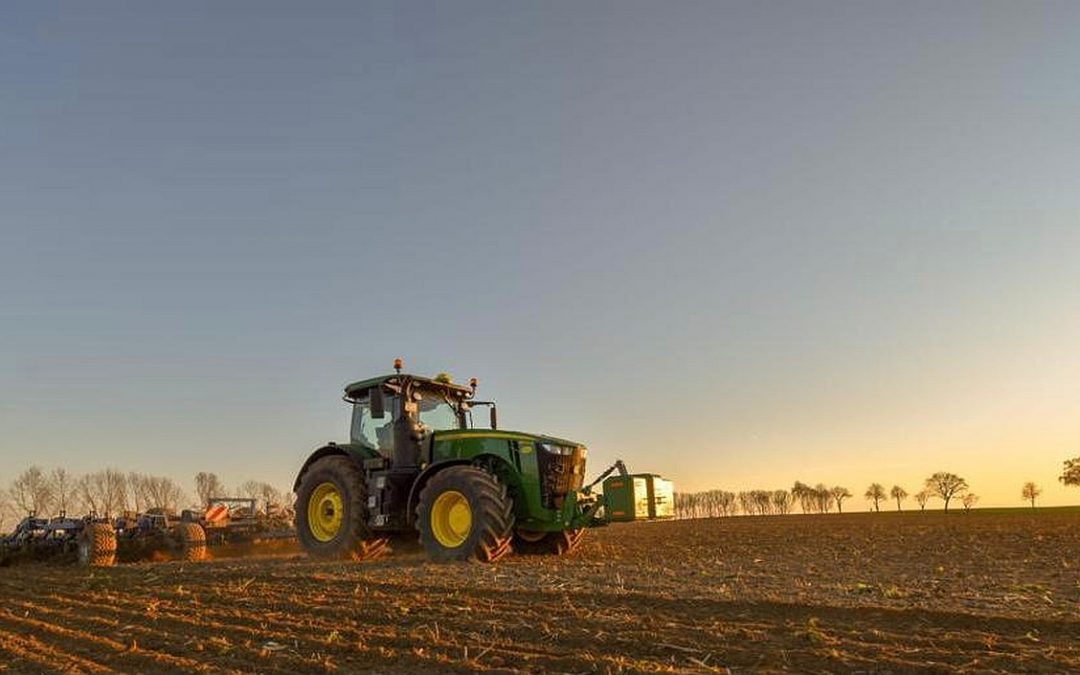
(985, 591)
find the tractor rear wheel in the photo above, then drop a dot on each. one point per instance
(332, 514)
(97, 545)
(191, 542)
(548, 543)
(465, 513)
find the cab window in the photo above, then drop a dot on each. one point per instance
(372, 432)
(438, 414)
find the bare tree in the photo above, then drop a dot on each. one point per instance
(1030, 492)
(162, 493)
(707, 503)
(115, 490)
(762, 501)
(899, 494)
(138, 490)
(781, 500)
(693, 505)
(824, 498)
(67, 497)
(86, 489)
(1070, 473)
(804, 494)
(686, 505)
(726, 502)
(250, 489)
(104, 492)
(6, 510)
(839, 494)
(746, 503)
(271, 497)
(969, 500)
(921, 497)
(208, 485)
(875, 493)
(266, 495)
(679, 502)
(33, 492)
(946, 485)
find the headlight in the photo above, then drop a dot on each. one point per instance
(557, 449)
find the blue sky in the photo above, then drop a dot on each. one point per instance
(739, 244)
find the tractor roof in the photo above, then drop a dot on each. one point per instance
(358, 388)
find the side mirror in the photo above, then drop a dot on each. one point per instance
(494, 418)
(377, 403)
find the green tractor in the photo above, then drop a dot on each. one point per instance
(414, 462)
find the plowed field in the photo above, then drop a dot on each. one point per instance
(884, 592)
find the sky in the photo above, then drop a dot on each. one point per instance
(738, 244)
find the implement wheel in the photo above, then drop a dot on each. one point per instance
(97, 545)
(190, 542)
(465, 513)
(331, 512)
(548, 543)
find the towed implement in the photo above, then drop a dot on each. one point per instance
(155, 534)
(189, 537)
(235, 520)
(43, 538)
(90, 540)
(416, 464)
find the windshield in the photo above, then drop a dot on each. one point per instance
(437, 413)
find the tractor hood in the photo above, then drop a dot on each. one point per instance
(455, 434)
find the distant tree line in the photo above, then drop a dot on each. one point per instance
(111, 492)
(820, 498)
(717, 503)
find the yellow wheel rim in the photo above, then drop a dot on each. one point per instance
(326, 512)
(451, 519)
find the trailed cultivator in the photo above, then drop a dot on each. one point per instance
(235, 520)
(145, 536)
(101, 542)
(150, 535)
(43, 538)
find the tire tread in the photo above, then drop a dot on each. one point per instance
(361, 543)
(493, 515)
(97, 545)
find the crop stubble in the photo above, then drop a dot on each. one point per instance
(980, 591)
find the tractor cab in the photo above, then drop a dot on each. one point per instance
(397, 415)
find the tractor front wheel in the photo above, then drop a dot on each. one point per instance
(548, 543)
(465, 513)
(97, 545)
(331, 512)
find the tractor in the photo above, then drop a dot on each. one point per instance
(416, 463)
